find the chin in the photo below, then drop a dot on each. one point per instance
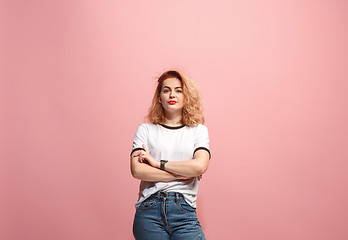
(173, 108)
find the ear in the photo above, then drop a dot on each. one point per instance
(159, 100)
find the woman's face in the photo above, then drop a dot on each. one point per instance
(171, 96)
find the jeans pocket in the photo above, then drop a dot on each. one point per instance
(184, 206)
(147, 203)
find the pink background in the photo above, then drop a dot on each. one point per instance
(77, 78)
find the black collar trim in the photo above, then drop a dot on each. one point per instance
(170, 127)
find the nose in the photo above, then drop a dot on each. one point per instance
(172, 94)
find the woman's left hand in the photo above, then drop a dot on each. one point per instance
(144, 156)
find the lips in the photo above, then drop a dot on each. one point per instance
(172, 102)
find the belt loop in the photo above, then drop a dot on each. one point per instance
(177, 197)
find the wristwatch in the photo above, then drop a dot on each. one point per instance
(163, 162)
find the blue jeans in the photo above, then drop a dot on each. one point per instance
(165, 216)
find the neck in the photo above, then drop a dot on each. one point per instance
(172, 119)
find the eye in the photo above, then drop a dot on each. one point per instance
(179, 91)
(165, 90)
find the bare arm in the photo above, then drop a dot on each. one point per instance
(146, 172)
(189, 168)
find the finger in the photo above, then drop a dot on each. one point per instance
(136, 155)
(145, 148)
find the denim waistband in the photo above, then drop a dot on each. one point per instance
(168, 195)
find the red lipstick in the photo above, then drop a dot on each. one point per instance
(172, 102)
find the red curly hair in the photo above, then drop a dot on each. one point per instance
(192, 111)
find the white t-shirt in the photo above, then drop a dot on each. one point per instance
(172, 144)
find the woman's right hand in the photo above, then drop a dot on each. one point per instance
(145, 157)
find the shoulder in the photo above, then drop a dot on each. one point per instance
(198, 127)
(201, 128)
(202, 131)
(146, 127)
(143, 130)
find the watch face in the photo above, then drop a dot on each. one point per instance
(163, 162)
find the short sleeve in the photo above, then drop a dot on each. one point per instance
(202, 139)
(140, 138)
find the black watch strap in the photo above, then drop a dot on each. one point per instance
(163, 162)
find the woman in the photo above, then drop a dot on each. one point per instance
(169, 156)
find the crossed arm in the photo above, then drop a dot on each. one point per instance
(145, 167)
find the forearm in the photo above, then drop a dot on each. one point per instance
(145, 172)
(147, 168)
(188, 168)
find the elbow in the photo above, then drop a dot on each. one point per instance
(199, 169)
(201, 166)
(135, 173)
(135, 169)
(200, 163)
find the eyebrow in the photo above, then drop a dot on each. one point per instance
(170, 88)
